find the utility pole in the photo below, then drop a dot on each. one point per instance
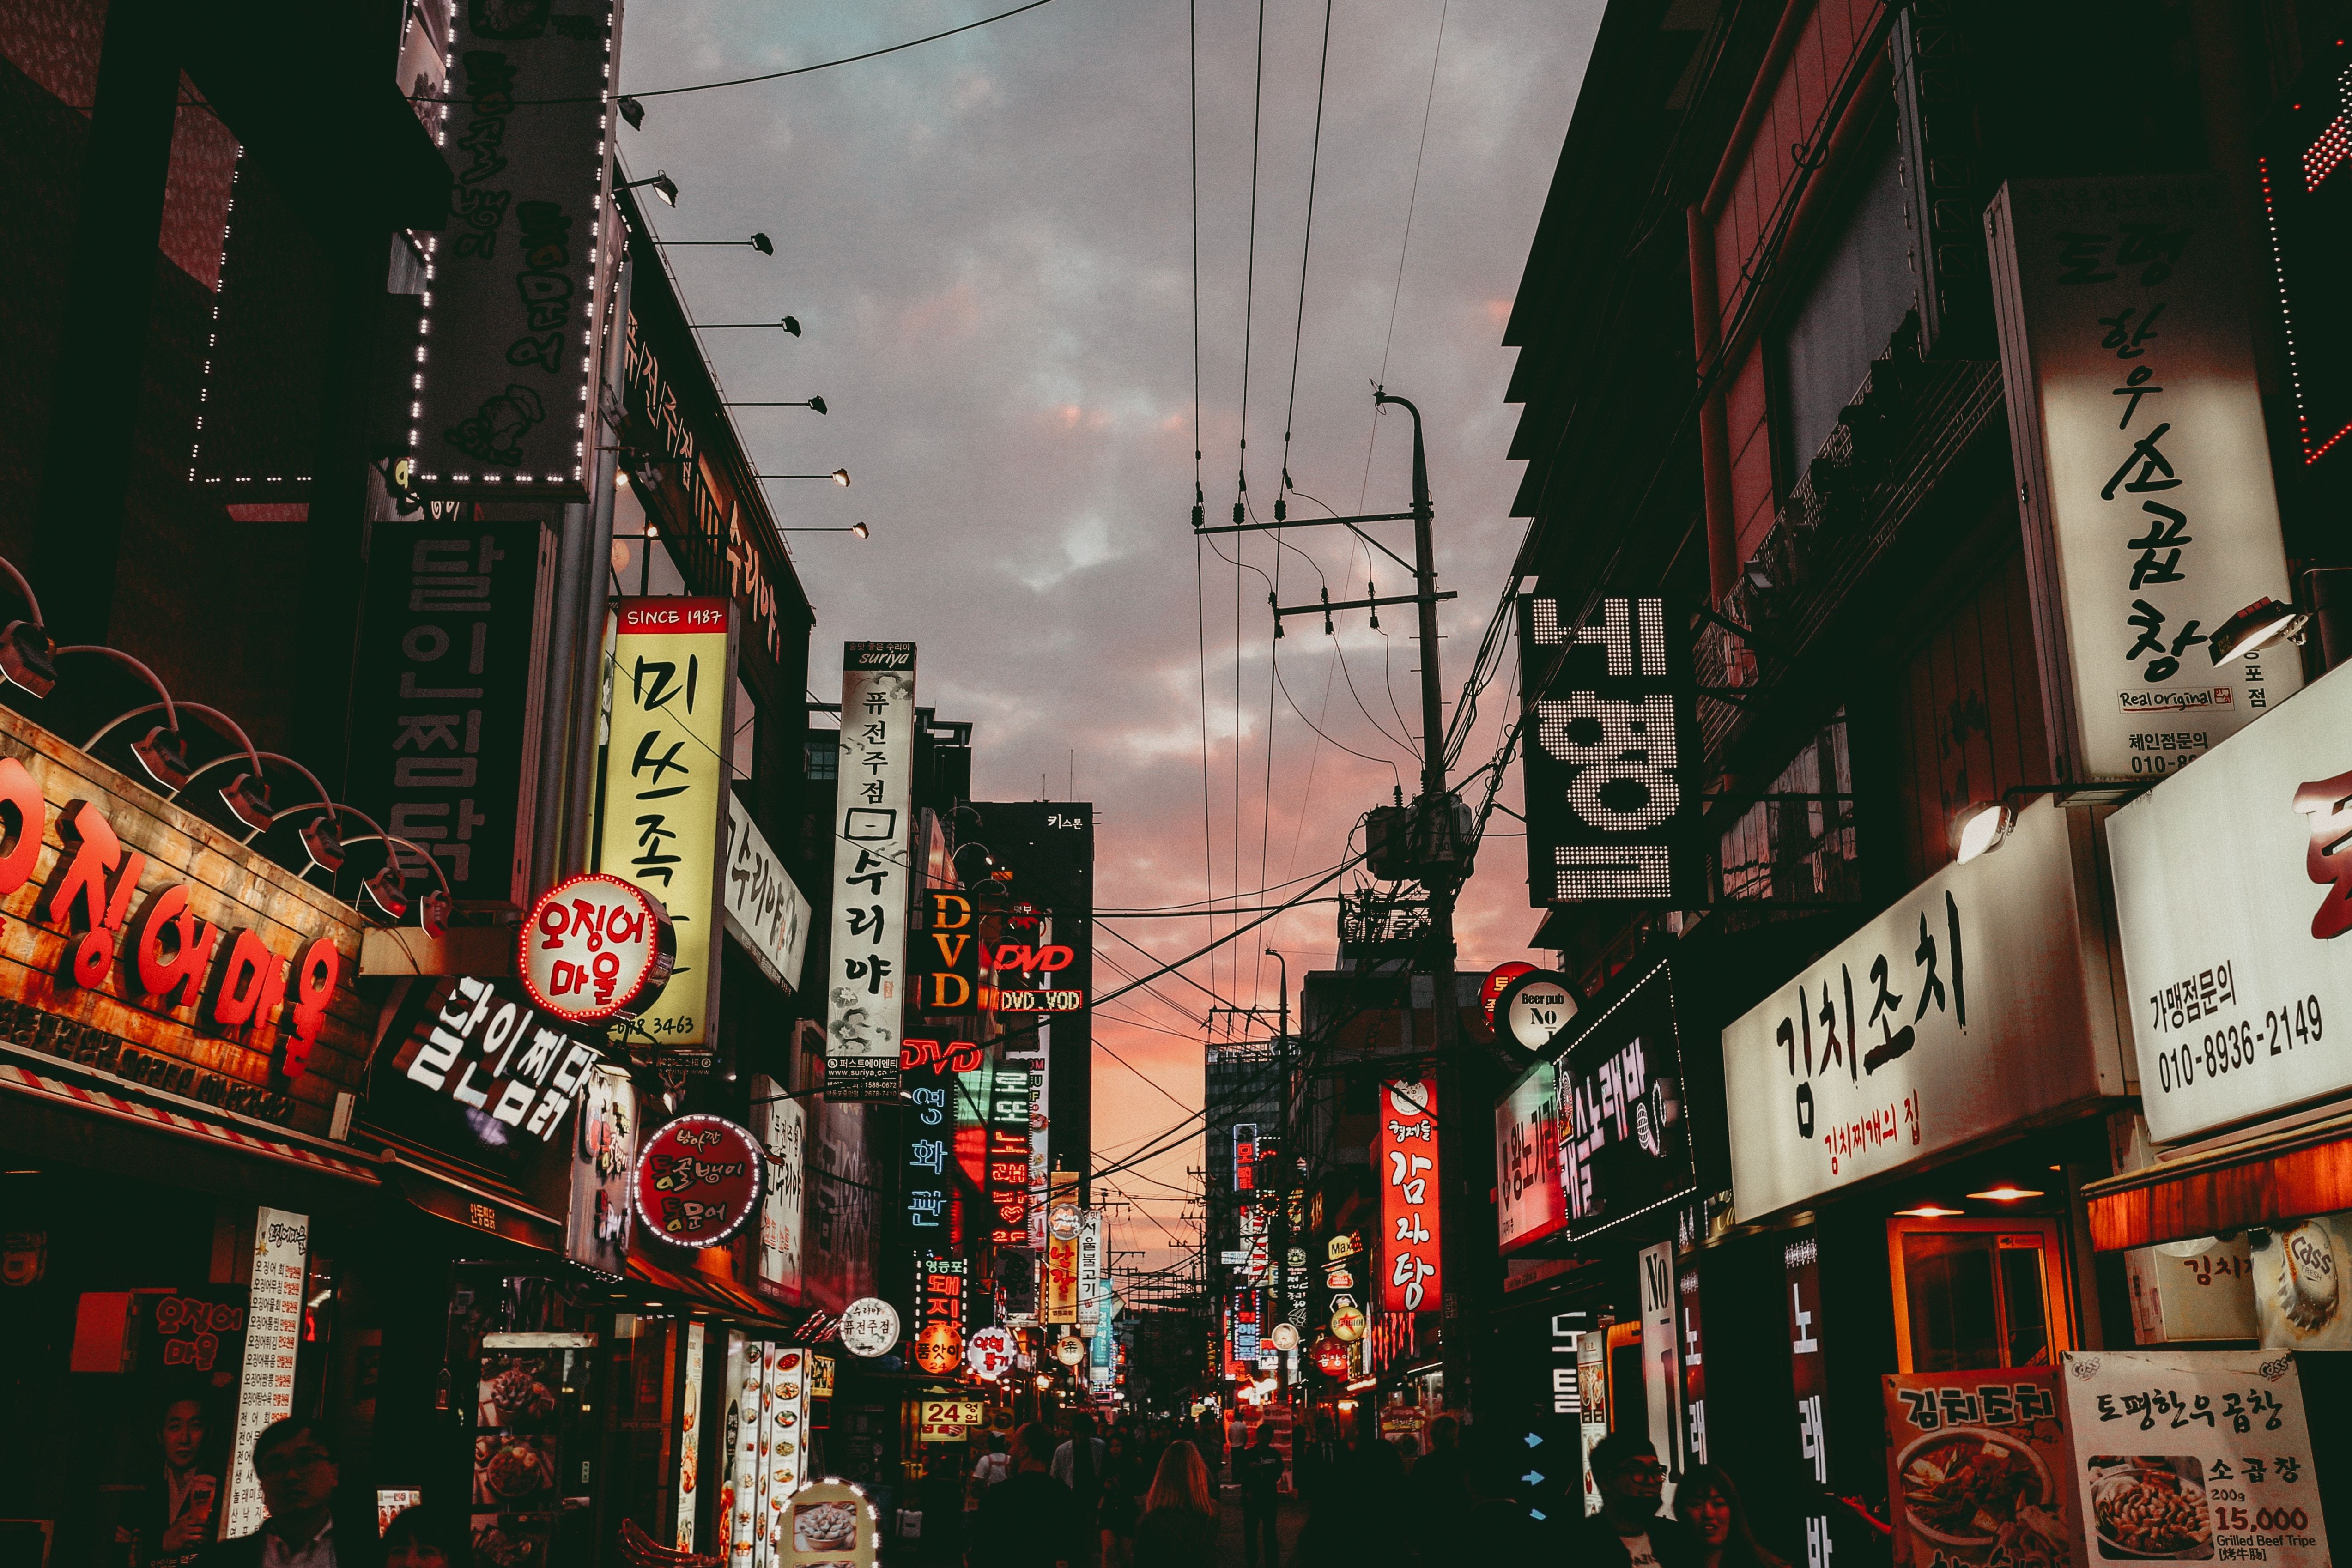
(1436, 847)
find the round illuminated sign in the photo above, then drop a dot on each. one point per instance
(989, 1352)
(1499, 979)
(596, 947)
(1071, 1350)
(1534, 1008)
(869, 1326)
(1348, 1324)
(1285, 1336)
(939, 1349)
(1330, 1357)
(697, 1180)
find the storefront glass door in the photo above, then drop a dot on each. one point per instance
(1977, 1293)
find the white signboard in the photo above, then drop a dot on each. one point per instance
(273, 1329)
(690, 1469)
(2143, 463)
(765, 910)
(1090, 1262)
(872, 830)
(2194, 1455)
(1660, 1369)
(869, 1326)
(2231, 886)
(1529, 1202)
(780, 1125)
(1978, 1001)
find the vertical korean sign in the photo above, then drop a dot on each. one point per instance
(1409, 1181)
(1063, 1223)
(871, 836)
(1800, 1259)
(780, 1124)
(1010, 1143)
(1611, 784)
(273, 1328)
(2198, 1455)
(691, 1433)
(665, 771)
(2135, 423)
(508, 348)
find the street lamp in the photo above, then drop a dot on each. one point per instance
(789, 323)
(663, 186)
(815, 403)
(758, 242)
(860, 529)
(839, 476)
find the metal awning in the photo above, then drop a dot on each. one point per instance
(54, 1092)
(2261, 1179)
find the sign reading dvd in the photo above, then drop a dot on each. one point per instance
(698, 1180)
(596, 947)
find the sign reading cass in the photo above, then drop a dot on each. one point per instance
(2239, 954)
(1981, 1001)
(1611, 793)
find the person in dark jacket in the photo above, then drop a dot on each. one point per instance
(1259, 1469)
(305, 1529)
(1028, 1522)
(1179, 1527)
(1629, 1532)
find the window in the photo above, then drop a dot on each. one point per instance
(1974, 1294)
(745, 752)
(1843, 319)
(1796, 844)
(641, 563)
(823, 755)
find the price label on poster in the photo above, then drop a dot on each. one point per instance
(2194, 1455)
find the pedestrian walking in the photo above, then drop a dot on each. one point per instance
(1210, 1438)
(1179, 1527)
(1259, 1469)
(1078, 1465)
(1027, 1520)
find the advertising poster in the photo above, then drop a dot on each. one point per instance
(734, 1513)
(273, 1331)
(832, 1526)
(1977, 1469)
(1406, 1156)
(190, 1349)
(672, 680)
(772, 1452)
(779, 1125)
(873, 834)
(1661, 1372)
(1529, 1204)
(524, 1388)
(1591, 1405)
(689, 1437)
(604, 1152)
(2193, 1456)
(1063, 1223)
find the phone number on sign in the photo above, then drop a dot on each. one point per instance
(2236, 1046)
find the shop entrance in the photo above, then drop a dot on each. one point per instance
(1971, 1294)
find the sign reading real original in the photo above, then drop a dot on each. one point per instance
(1980, 999)
(2234, 892)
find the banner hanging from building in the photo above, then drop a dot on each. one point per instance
(666, 794)
(2142, 460)
(766, 912)
(1064, 1221)
(780, 1127)
(508, 347)
(1407, 1156)
(1612, 756)
(872, 845)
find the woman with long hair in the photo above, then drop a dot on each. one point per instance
(1179, 1527)
(1709, 1507)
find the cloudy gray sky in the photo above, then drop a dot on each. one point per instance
(989, 240)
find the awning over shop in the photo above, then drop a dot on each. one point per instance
(56, 1092)
(479, 1205)
(710, 1289)
(2259, 1180)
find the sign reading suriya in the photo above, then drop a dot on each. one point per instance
(1981, 1000)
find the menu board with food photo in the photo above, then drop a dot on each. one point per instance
(832, 1526)
(2194, 1456)
(525, 1386)
(1977, 1469)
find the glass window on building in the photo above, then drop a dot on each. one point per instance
(822, 753)
(1796, 843)
(1974, 1294)
(745, 751)
(642, 566)
(1844, 318)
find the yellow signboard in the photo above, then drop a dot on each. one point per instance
(672, 678)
